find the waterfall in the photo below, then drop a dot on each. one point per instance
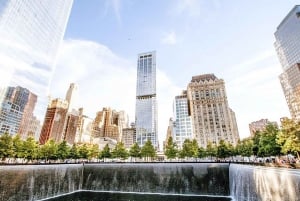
(256, 183)
(182, 178)
(33, 182)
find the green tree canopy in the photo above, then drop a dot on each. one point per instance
(105, 153)
(74, 152)
(119, 151)
(135, 151)
(187, 149)
(201, 152)
(171, 149)
(49, 150)
(6, 146)
(148, 150)
(18, 146)
(245, 147)
(211, 149)
(224, 150)
(289, 137)
(268, 145)
(63, 150)
(83, 151)
(93, 151)
(30, 149)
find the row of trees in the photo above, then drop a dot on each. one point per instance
(272, 141)
(29, 149)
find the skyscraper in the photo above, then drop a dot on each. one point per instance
(26, 101)
(72, 97)
(146, 105)
(183, 121)
(30, 34)
(212, 118)
(287, 45)
(53, 126)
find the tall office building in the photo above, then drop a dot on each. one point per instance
(183, 121)
(27, 101)
(146, 105)
(10, 117)
(212, 118)
(30, 34)
(84, 128)
(72, 97)
(24, 101)
(53, 126)
(109, 124)
(287, 46)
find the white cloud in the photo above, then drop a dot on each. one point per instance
(106, 80)
(169, 38)
(190, 7)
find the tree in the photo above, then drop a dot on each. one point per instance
(211, 150)
(119, 151)
(148, 150)
(6, 146)
(93, 151)
(187, 149)
(63, 150)
(171, 149)
(195, 148)
(201, 152)
(268, 145)
(256, 139)
(289, 137)
(49, 150)
(245, 147)
(135, 151)
(105, 153)
(18, 146)
(223, 150)
(83, 151)
(30, 149)
(74, 152)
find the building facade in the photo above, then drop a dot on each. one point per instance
(30, 35)
(212, 118)
(84, 128)
(183, 122)
(53, 126)
(25, 101)
(10, 117)
(259, 125)
(108, 124)
(287, 46)
(146, 103)
(72, 97)
(128, 137)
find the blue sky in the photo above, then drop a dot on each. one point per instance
(232, 39)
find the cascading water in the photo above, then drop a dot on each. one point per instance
(255, 183)
(33, 182)
(180, 178)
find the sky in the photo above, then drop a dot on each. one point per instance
(234, 39)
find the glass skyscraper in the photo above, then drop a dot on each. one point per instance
(183, 122)
(146, 105)
(287, 45)
(287, 36)
(30, 34)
